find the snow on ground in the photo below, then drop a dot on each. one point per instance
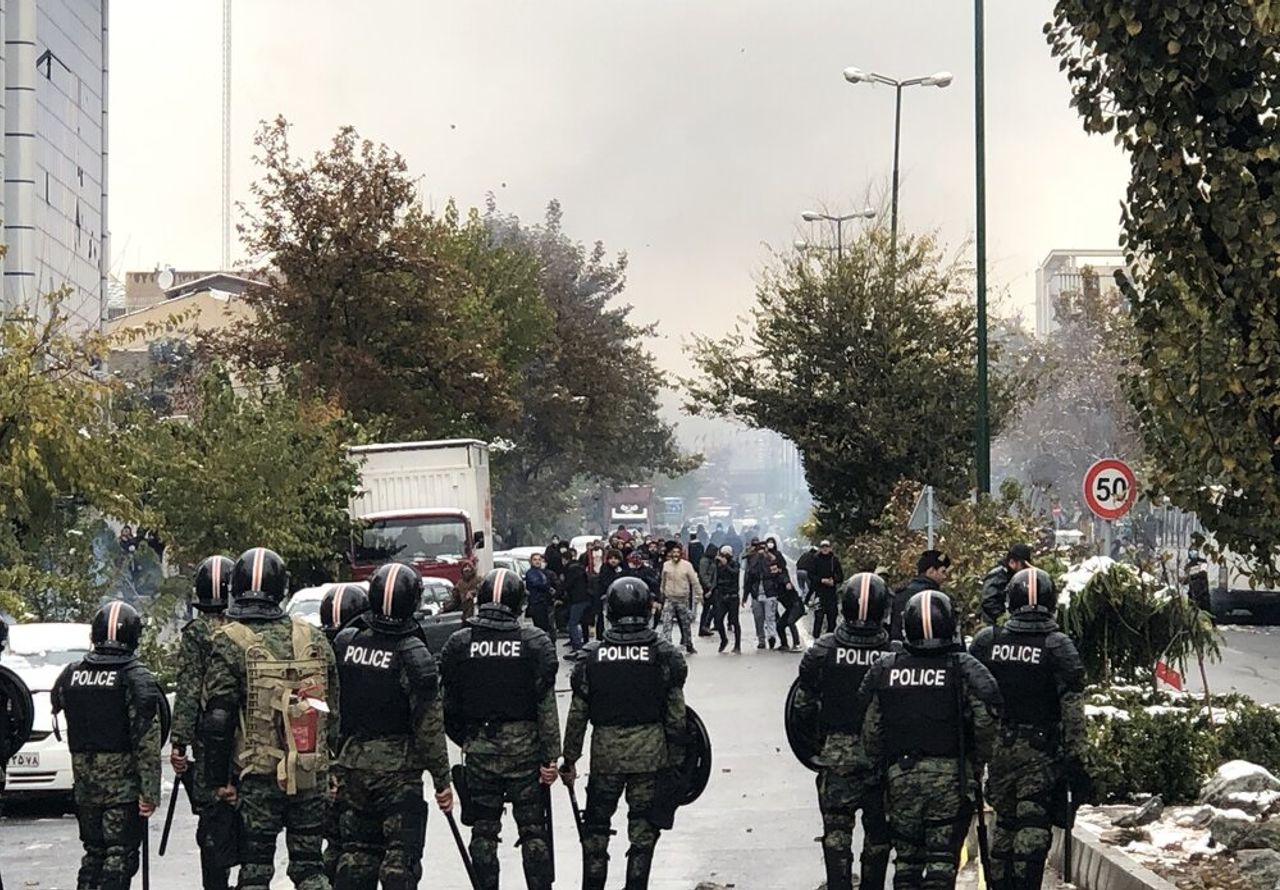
(1163, 846)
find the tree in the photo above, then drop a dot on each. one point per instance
(256, 468)
(872, 379)
(361, 304)
(59, 462)
(1188, 89)
(1078, 410)
(589, 390)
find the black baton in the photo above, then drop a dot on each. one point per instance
(462, 850)
(1066, 837)
(551, 835)
(577, 813)
(146, 854)
(168, 817)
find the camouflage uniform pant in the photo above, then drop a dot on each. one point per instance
(111, 836)
(490, 789)
(1021, 787)
(676, 611)
(928, 819)
(203, 804)
(604, 790)
(332, 820)
(264, 811)
(383, 824)
(841, 793)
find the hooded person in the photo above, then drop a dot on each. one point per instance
(462, 598)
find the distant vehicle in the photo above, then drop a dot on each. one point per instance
(631, 506)
(436, 627)
(1232, 588)
(38, 653)
(511, 561)
(1067, 537)
(426, 503)
(580, 543)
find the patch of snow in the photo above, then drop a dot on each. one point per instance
(1233, 770)
(1110, 711)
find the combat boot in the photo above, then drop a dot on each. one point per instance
(872, 871)
(839, 869)
(638, 865)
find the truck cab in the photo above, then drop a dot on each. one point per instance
(435, 541)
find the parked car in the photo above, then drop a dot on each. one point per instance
(514, 561)
(436, 627)
(38, 653)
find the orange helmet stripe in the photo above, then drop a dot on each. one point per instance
(259, 561)
(113, 616)
(336, 609)
(926, 614)
(1033, 594)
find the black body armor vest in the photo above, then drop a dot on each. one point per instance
(373, 703)
(842, 675)
(97, 710)
(496, 679)
(918, 707)
(626, 686)
(1020, 664)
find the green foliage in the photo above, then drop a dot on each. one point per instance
(1120, 749)
(1123, 622)
(254, 468)
(872, 378)
(1188, 89)
(975, 535)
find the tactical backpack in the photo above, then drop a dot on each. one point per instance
(281, 730)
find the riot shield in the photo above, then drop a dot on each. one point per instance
(21, 713)
(802, 731)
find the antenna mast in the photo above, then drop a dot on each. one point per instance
(226, 135)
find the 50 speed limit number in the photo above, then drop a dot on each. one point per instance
(1110, 488)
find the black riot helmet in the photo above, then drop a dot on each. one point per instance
(1031, 592)
(260, 573)
(116, 628)
(4, 634)
(864, 602)
(213, 584)
(395, 592)
(629, 603)
(502, 588)
(342, 603)
(930, 621)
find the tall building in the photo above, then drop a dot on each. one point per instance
(54, 164)
(1063, 271)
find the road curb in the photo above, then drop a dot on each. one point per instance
(1098, 866)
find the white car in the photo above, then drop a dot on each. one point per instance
(38, 653)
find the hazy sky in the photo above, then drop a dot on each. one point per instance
(688, 132)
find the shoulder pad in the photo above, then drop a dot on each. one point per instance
(144, 689)
(978, 678)
(677, 667)
(1066, 656)
(419, 663)
(345, 638)
(981, 646)
(578, 676)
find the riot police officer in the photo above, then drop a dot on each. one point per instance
(630, 686)
(341, 605)
(112, 704)
(831, 674)
(500, 707)
(271, 688)
(392, 730)
(1040, 749)
(211, 591)
(930, 724)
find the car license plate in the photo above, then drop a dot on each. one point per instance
(28, 760)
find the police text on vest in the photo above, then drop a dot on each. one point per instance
(918, 677)
(1010, 652)
(374, 658)
(93, 678)
(860, 657)
(624, 653)
(495, 649)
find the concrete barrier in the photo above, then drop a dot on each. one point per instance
(1097, 866)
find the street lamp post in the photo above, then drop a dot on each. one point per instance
(815, 216)
(941, 80)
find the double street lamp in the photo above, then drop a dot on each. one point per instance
(941, 80)
(815, 216)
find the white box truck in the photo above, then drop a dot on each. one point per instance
(426, 503)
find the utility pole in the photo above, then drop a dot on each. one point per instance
(983, 431)
(226, 135)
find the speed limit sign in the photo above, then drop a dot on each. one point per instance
(1110, 488)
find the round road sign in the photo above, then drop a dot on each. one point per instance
(1110, 488)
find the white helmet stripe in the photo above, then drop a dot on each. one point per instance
(217, 579)
(259, 558)
(926, 614)
(389, 587)
(336, 610)
(1033, 594)
(113, 615)
(499, 578)
(864, 596)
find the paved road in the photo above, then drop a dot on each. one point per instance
(1250, 664)
(755, 827)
